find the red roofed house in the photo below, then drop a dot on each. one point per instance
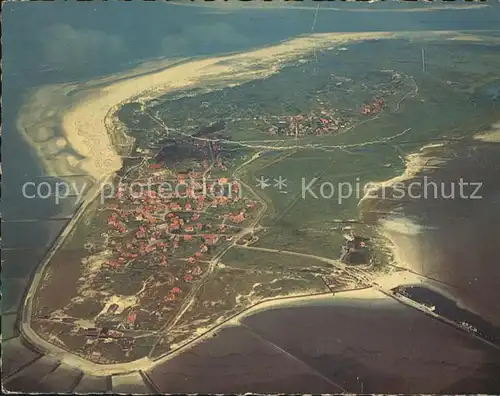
(132, 317)
(211, 239)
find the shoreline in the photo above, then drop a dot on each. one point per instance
(83, 124)
(245, 6)
(79, 124)
(492, 136)
(420, 244)
(89, 120)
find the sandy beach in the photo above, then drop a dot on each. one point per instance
(71, 126)
(73, 129)
(337, 343)
(492, 136)
(114, 284)
(450, 243)
(67, 124)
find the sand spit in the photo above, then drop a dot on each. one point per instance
(446, 244)
(492, 136)
(415, 164)
(67, 124)
(71, 127)
(401, 231)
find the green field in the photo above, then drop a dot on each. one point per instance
(297, 225)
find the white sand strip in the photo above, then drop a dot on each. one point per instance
(492, 136)
(66, 124)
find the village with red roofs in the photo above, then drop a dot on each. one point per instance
(182, 239)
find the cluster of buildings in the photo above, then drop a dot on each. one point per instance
(171, 223)
(157, 222)
(310, 124)
(374, 107)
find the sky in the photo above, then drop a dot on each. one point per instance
(79, 40)
(53, 42)
(58, 41)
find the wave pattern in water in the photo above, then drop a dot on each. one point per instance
(453, 238)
